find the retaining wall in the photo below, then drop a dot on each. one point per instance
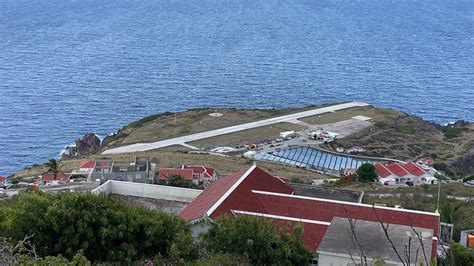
(147, 191)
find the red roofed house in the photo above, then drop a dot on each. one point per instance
(254, 192)
(421, 175)
(402, 173)
(187, 174)
(2, 179)
(201, 172)
(195, 173)
(85, 169)
(50, 177)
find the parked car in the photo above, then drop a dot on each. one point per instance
(469, 183)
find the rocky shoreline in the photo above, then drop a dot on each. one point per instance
(88, 144)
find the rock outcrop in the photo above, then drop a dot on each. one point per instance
(459, 123)
(85, 146)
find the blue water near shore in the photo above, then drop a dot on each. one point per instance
(70, 67)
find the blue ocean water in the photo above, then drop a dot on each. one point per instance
(73, 66)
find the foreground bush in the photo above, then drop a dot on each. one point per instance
(257, 239)
(104, 229)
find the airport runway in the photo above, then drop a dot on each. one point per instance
(226, 130)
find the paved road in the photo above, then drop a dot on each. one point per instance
(221, 131)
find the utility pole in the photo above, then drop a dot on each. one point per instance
(439, 193)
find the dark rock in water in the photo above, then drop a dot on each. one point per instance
(459, 123)
(87, 145)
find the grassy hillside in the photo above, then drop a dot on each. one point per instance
(397, 135)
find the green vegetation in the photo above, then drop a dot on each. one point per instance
(84, 229)
(449, 211)
(53, 167)
(175, 180)
(258, 239)
(404, 129)
(103, 228)
(439, 166)
(366, 173)
(147, 119)
(459, 255)
(453, 132)
(221, 260)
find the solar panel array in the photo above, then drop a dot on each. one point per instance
(313, 158)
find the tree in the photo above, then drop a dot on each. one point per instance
(366, 173)
(53, 167)
(449, 211)
(221, 260)
(459, 255)
(260, 240)
(176, 180)
(106, 230)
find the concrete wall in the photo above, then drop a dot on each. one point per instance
(147, 191)
(103, 189)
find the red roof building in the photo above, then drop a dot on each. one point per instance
(194, 173)
(216, 199)
(165, 173)
(50, 177)
(257, 193)
(403, 172)
(414, 169)
(397, 169)
(201, 172)
(87, 164)
(2, 179)
(382, 170)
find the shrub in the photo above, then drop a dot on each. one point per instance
(440, 166)
(261, 241)
(453, 132)
(103, 228)
(175, 180)
(366, 173)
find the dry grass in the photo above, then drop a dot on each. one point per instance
(255, 135)
(193, 121)
(332, 117)
(164, 159)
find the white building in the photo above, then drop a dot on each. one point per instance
(403, 173)
(287, 134)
